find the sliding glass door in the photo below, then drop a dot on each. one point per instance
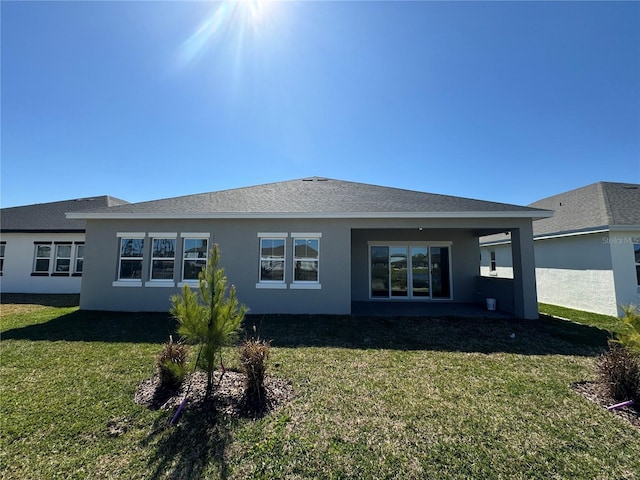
(410, 271)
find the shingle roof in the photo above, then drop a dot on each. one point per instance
(309, 197)
(50, 217)
(594, 206)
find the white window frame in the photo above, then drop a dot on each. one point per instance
(637, 264)
(57, 257)
(36, 258)
(493, 269)
(192, 282)
(305, 284)
(78, 246)
(129, 282)
(162, 282)
(3, 247)
(275, 284)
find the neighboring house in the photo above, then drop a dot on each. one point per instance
(312, 245)
(587, 255)
(41, 250)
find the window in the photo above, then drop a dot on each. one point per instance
(492, 262)
(42, 259)
(411, 271)
(131, 253)
(194, 259)
(2, 246)
(636, 252)
(79, 263)
(306, 260)
(63, 259)
(163, 255)
(272, 260)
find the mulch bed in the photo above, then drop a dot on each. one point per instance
(227, 397)
(596, 392)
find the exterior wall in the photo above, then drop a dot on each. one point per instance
(343, 266)
(576, 272)
(627, 290)
(504, 261)
(239, 248)
(19, 261)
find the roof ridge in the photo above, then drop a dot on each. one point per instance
(607, 204)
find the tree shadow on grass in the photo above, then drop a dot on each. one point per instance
(547, 336)
(194, 448)
(94, 326)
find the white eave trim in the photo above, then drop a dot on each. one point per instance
(354, 215)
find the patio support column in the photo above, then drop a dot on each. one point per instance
(525, 298)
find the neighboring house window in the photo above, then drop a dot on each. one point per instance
(272, 259)
(306, 259)
(492, 262)
(131, 253)
(63, 259)
(79, 262)
(195, 253)
(636, 252)
(163, 255)
(2, 246)
(42, 259)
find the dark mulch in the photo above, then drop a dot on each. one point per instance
(227, 397)
(597, 393)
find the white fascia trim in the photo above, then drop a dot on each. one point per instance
(241, 215)
(127, 283)
(278, 286)
(571, 234)
(130, 234)
(163, 234)
(160, 283)
(273, 235)
(305, 286)
(195, 234)
(496, 242)
(306, 235)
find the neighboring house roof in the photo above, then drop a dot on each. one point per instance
(314, 197)
(50, 217)
(595, 207)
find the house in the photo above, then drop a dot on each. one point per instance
(587, 255)
(313, 245)
(41, 250)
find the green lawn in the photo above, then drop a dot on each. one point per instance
(375, 398)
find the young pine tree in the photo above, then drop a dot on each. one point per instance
(212, 317)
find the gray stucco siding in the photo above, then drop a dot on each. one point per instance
(239, 247)
(343, 260)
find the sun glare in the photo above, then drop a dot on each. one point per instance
(226, 22)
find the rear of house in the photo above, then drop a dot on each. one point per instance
(305, 246)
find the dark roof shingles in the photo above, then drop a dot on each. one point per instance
(42, 217)
(312, 196)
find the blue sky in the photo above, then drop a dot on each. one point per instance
(503, 101)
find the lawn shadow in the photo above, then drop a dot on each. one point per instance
(94, 326)
(46, 300)
(546, 336)
(193, 448)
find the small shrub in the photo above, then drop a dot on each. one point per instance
(253, 357)
(629, 334)
(619, 371)
(171, 364)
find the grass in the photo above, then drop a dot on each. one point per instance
(375, 398)
(605, 322)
